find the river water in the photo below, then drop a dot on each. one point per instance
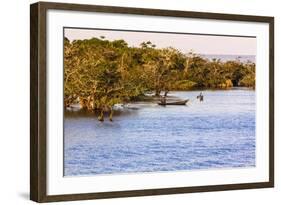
(214, 134)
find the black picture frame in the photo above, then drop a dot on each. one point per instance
(38, 111)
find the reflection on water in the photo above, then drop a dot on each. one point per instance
(217, 133)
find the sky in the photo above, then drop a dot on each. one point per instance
(201, 44)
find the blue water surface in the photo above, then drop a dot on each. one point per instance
(217, 133)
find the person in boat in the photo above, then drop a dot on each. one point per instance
(200, 97)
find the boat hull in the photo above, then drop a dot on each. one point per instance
(174, 103)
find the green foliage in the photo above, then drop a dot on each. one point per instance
(183, 85)
(100, 73)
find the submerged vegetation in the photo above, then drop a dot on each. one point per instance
(99, 73)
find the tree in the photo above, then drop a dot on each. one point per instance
(108, 90)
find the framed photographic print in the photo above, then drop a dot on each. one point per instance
(134, 102)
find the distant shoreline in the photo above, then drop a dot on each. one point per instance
(224, 58)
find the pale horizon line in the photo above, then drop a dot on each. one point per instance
(204, 44)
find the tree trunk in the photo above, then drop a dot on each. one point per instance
(111, 114)
(83, 103)
(157, 92)
(166, 93)
(100, 117)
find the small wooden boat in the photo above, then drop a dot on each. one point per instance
(183, 102)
